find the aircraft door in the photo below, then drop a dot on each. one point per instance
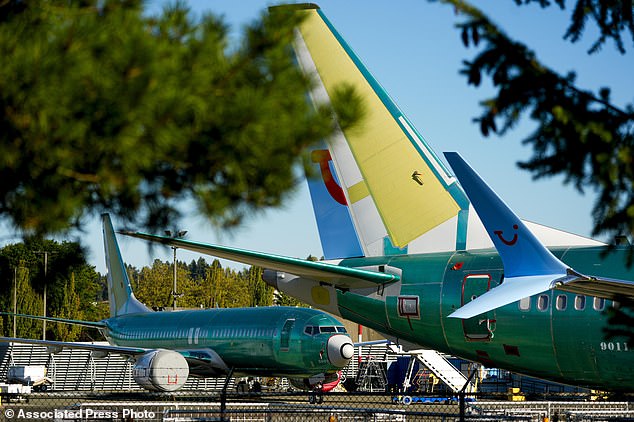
(285, 335)
(480, 327)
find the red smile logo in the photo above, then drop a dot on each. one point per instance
(511, 242)
(322, 156)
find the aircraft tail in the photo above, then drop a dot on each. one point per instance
(380, 187)
(120, 295)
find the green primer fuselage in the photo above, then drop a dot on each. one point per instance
(555, 335)
(255, 341)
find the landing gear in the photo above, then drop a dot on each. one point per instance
(316, 397)
(249, 385)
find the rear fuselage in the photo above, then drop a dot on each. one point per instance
(554, 335)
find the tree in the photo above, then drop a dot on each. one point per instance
(155, 285)
(580, 134)
(28, 302)
(106, 108)
(73, 286)
(260, 293)
(70, 309)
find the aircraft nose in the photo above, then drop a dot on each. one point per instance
(340, 350)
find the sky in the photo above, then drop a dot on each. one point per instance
(415, 52)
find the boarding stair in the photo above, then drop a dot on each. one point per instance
(439, 366)
(371, 376)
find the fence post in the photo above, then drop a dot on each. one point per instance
(461, 396)
(223, 395)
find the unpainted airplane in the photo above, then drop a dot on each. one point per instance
(432, 262)
(306, 345)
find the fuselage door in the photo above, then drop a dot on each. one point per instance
(480, 327)
(285, 335)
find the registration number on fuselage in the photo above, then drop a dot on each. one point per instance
(617, 346)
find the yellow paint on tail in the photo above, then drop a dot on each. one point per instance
(386, 157)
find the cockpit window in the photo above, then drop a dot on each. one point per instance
(313, 330)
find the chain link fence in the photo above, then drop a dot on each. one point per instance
(302, 407)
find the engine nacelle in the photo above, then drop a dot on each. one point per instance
(161, 370)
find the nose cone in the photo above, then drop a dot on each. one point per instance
(340, 350)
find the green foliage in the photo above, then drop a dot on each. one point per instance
(282, 299)
(70, 309)
(106, 108)
(611, 17)
(76, 291)
(200, 285)
(73, 286)
(579, 133)
(621, 321)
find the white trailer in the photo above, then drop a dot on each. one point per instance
(33, 376)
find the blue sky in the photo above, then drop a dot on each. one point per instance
(415, 52)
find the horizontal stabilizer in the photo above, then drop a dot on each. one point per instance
(60, 345)
(328, 273)
(91, 324)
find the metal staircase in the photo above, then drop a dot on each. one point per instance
(371, 376)
(439, 366)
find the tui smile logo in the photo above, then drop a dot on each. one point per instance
(511, 242)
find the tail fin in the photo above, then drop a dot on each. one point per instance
(120, 295)
(396, 191)
(384, 190)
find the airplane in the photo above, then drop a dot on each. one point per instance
(436, 261)
(306, 345)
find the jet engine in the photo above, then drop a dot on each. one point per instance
(161, 370)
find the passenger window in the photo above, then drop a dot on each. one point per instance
(562, 302)
(580, 303)
(598, 304)
(542, 302)
(525, 304)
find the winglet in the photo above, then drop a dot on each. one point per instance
(521, 252)
(529, 268)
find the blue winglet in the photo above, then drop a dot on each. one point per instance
(521, 252)
(529, 268)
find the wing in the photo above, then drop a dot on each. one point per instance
(606, 288)
(202, 362)
(321, 271)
